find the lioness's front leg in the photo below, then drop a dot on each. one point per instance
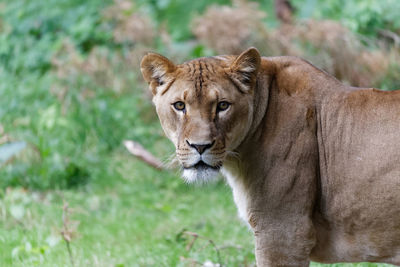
(283, 243)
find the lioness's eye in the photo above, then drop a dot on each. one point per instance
(179, 105)
(223, 105)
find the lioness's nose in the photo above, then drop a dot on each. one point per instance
(200, 147)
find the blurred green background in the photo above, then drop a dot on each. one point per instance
(71, 92)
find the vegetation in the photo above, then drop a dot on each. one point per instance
(71, 92)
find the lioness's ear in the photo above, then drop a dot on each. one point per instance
(243, 71)
(154, 68)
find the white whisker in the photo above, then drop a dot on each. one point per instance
(171, 162)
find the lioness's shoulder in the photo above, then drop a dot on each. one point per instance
(296, 74)
(288, 63)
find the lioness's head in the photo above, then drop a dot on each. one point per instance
(205, 106)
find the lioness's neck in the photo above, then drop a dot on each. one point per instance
(261, 93)
(233, 171)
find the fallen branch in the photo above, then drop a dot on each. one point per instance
(390, 35)
(137, 150)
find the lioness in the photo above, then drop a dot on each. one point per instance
(314, 164)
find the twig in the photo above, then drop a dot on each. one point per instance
(391, 35)
(193, 261)
(139, 151)
(210, 241)
(66, 233)
(70, 253)
(230, 246)
(191, 243)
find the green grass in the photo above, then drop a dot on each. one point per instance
(137, 220)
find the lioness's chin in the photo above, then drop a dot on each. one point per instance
(199, 175)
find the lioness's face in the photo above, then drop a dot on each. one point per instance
(204, 124)
(205, 107)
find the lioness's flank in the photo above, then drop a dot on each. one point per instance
(314, 164)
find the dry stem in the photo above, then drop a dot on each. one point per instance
(210, 241)
(66, 231)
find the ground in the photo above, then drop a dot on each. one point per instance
(139, 219)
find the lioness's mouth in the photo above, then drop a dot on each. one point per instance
(201, 165)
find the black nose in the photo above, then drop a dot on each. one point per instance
(200, 147)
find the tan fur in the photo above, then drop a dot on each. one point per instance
(314, 164)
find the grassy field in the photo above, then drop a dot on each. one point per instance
(138, 219)
(71, 91)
